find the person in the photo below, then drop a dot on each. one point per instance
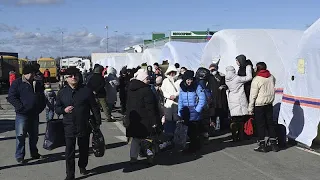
(192, 100)
(12, 76)
(238, 104)
(50, 101)
(218, 88)
(97, 85)
(85, 76)
(242, 62)
(182, 71)
(157, 70)
(104, 71)
(38, 76)
(123, 87)
(151, 75)
(74, 102)
(112, 82)
(261, 99)
(202, 77)
(46, 75)
(170, 89)
(142, 114)
(28, 100)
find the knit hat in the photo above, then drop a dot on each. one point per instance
(139, 71)
(188, 75)
(141, 75)
(28, 69)
(213, 65)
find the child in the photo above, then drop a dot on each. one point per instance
(50, 101)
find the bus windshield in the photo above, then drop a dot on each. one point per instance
(47, 64)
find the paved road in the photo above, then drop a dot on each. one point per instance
(221, 160)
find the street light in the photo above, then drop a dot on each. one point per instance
(61, 44)
(107, 33)
(116, 41)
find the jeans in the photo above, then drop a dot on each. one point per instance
(83, 143)
(23, 125)
(49, 114)
(135, 148)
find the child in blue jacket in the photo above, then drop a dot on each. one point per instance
(192, 100)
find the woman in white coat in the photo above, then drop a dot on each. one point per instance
(237, 101)
(112, 82)
(170, 89)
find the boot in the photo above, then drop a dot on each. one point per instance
(261, 147)
(274, 145)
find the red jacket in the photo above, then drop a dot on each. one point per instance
(12, 77)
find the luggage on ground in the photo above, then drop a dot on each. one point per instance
(180, 135)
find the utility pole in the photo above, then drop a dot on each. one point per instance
(116, 41)
(61, 44)
(107, 36)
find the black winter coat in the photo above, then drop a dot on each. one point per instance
(27, 98)
(142, 110)
(96, 83)
(82, 99)
(219, 95)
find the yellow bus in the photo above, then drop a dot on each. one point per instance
(7, 64)
(22, 63)
(50, 64)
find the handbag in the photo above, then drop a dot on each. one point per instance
(54, 136)
(180, 135)
(248, 127)
(98, 142)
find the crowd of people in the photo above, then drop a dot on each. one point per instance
(152, 102)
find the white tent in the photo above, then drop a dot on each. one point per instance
(130, 60)
(301, 100)
(275, 47)
(184, 53)
(152, 55)
(134, 60)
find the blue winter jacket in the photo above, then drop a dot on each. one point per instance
(192, 98)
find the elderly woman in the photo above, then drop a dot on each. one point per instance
(237, 100)
(112, 82)
(170, 89)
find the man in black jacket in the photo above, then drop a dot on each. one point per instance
(27, 97)
(97, 84)
(75, 101)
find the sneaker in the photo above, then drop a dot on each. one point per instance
(83, 171)
(261, 147)
(274, 146)
(21, 161)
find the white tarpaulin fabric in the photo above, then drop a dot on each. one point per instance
(152, 55)
(274, 47)
(131, 60)
(300, 108)
(184, 53)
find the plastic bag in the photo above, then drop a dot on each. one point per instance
(54, 136)
(98, 143)
(180, 135)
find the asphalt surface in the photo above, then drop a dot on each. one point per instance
(221, 159)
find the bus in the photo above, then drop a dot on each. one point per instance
(50, 64)
(7, 64)
(22, 63)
